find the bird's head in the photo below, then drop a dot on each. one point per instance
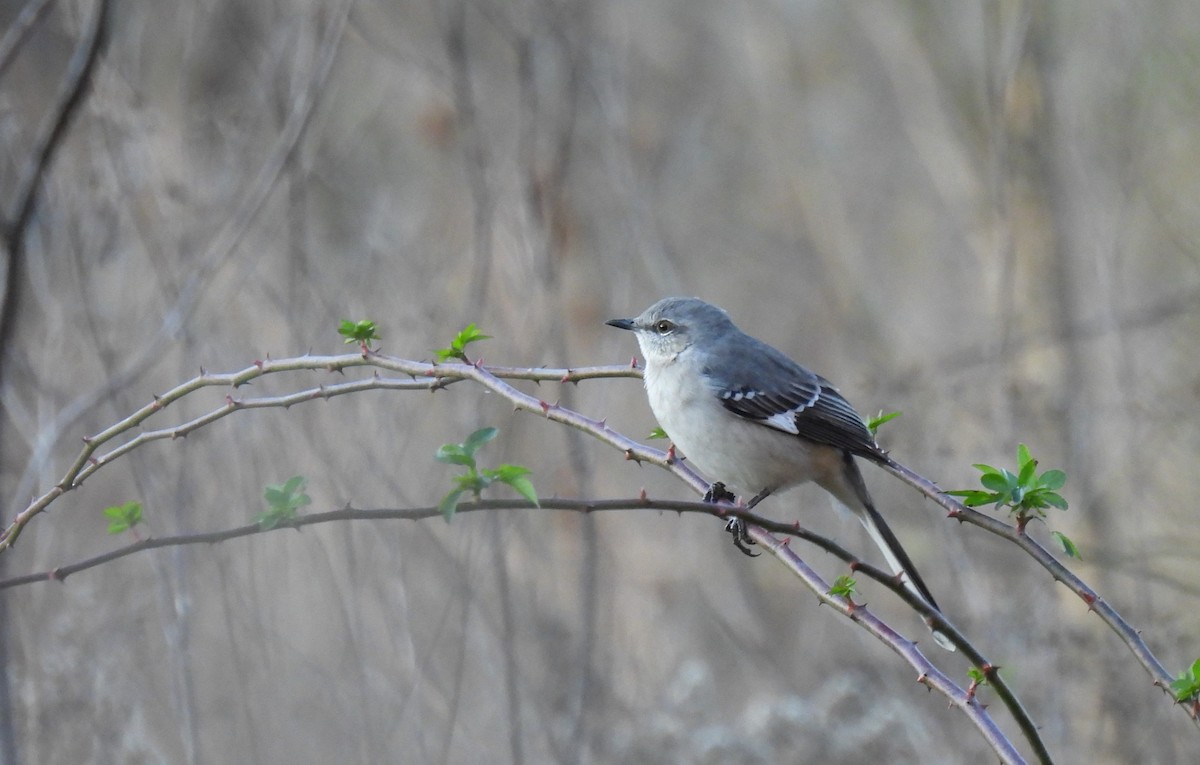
(673, 325)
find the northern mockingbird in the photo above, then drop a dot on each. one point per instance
(751, 418)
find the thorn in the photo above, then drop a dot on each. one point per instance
(1090, 599)
(633, 363)
(855, 564)
(603, 423)
(566, 377)
(203, 372)
(258, 363)
(93, 460)
(642, 495)
(923, 679)
(671, 454)
(796, 525)
(629, 455)
(787, 541)
(87, 440)
(545, 407)
(477, 363)
(955, 514)
(54, 575)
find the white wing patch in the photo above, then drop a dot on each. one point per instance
(739, 395)
(785, 421)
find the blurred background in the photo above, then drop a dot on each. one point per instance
(984, 215)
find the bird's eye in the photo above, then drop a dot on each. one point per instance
(663, 326)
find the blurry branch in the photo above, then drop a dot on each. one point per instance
(19, 28)
(219, 251)
(47, 139)
(475, 160)
(49, 136)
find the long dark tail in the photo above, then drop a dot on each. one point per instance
(886, 540)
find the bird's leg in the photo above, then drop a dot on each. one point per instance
(759, 497)
(716, 494)
(737, 526)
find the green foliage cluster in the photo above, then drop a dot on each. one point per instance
(283, 502)
(362, 332)
(1187, 686)
(476, 479)
(844, 586)
(123, 517)
(458, 346)
(1027, 494)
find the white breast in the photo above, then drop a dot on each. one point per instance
(745, 455)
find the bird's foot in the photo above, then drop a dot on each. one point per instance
(741, 537)
(718, 493)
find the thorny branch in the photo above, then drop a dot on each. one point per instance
(105, 446)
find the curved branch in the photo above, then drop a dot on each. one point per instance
(928, 674)
(421, 374)
(1125, 631)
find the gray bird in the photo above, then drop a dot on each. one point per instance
(749, 417)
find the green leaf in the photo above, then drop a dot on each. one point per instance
(276, 516)
(458, 346)
(1023, 456)
(507, 472)
(363, 332)
(974, 497)
(1068, 546)
(1053, 480)
(977, 676)
(657, 433)
(997, 482)
(454, 454)
(1187, 685)
(1028, 469)
(123, 517)
(524, 487)
(449, 504)
(879, 419)
(843, 586)
(982, 468)
(283, 500)
(1053, 499)
(478, 439)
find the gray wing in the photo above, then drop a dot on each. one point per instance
(760, 383)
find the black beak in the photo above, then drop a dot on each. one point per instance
(620, 323)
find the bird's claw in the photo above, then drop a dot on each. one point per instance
(741, 537)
